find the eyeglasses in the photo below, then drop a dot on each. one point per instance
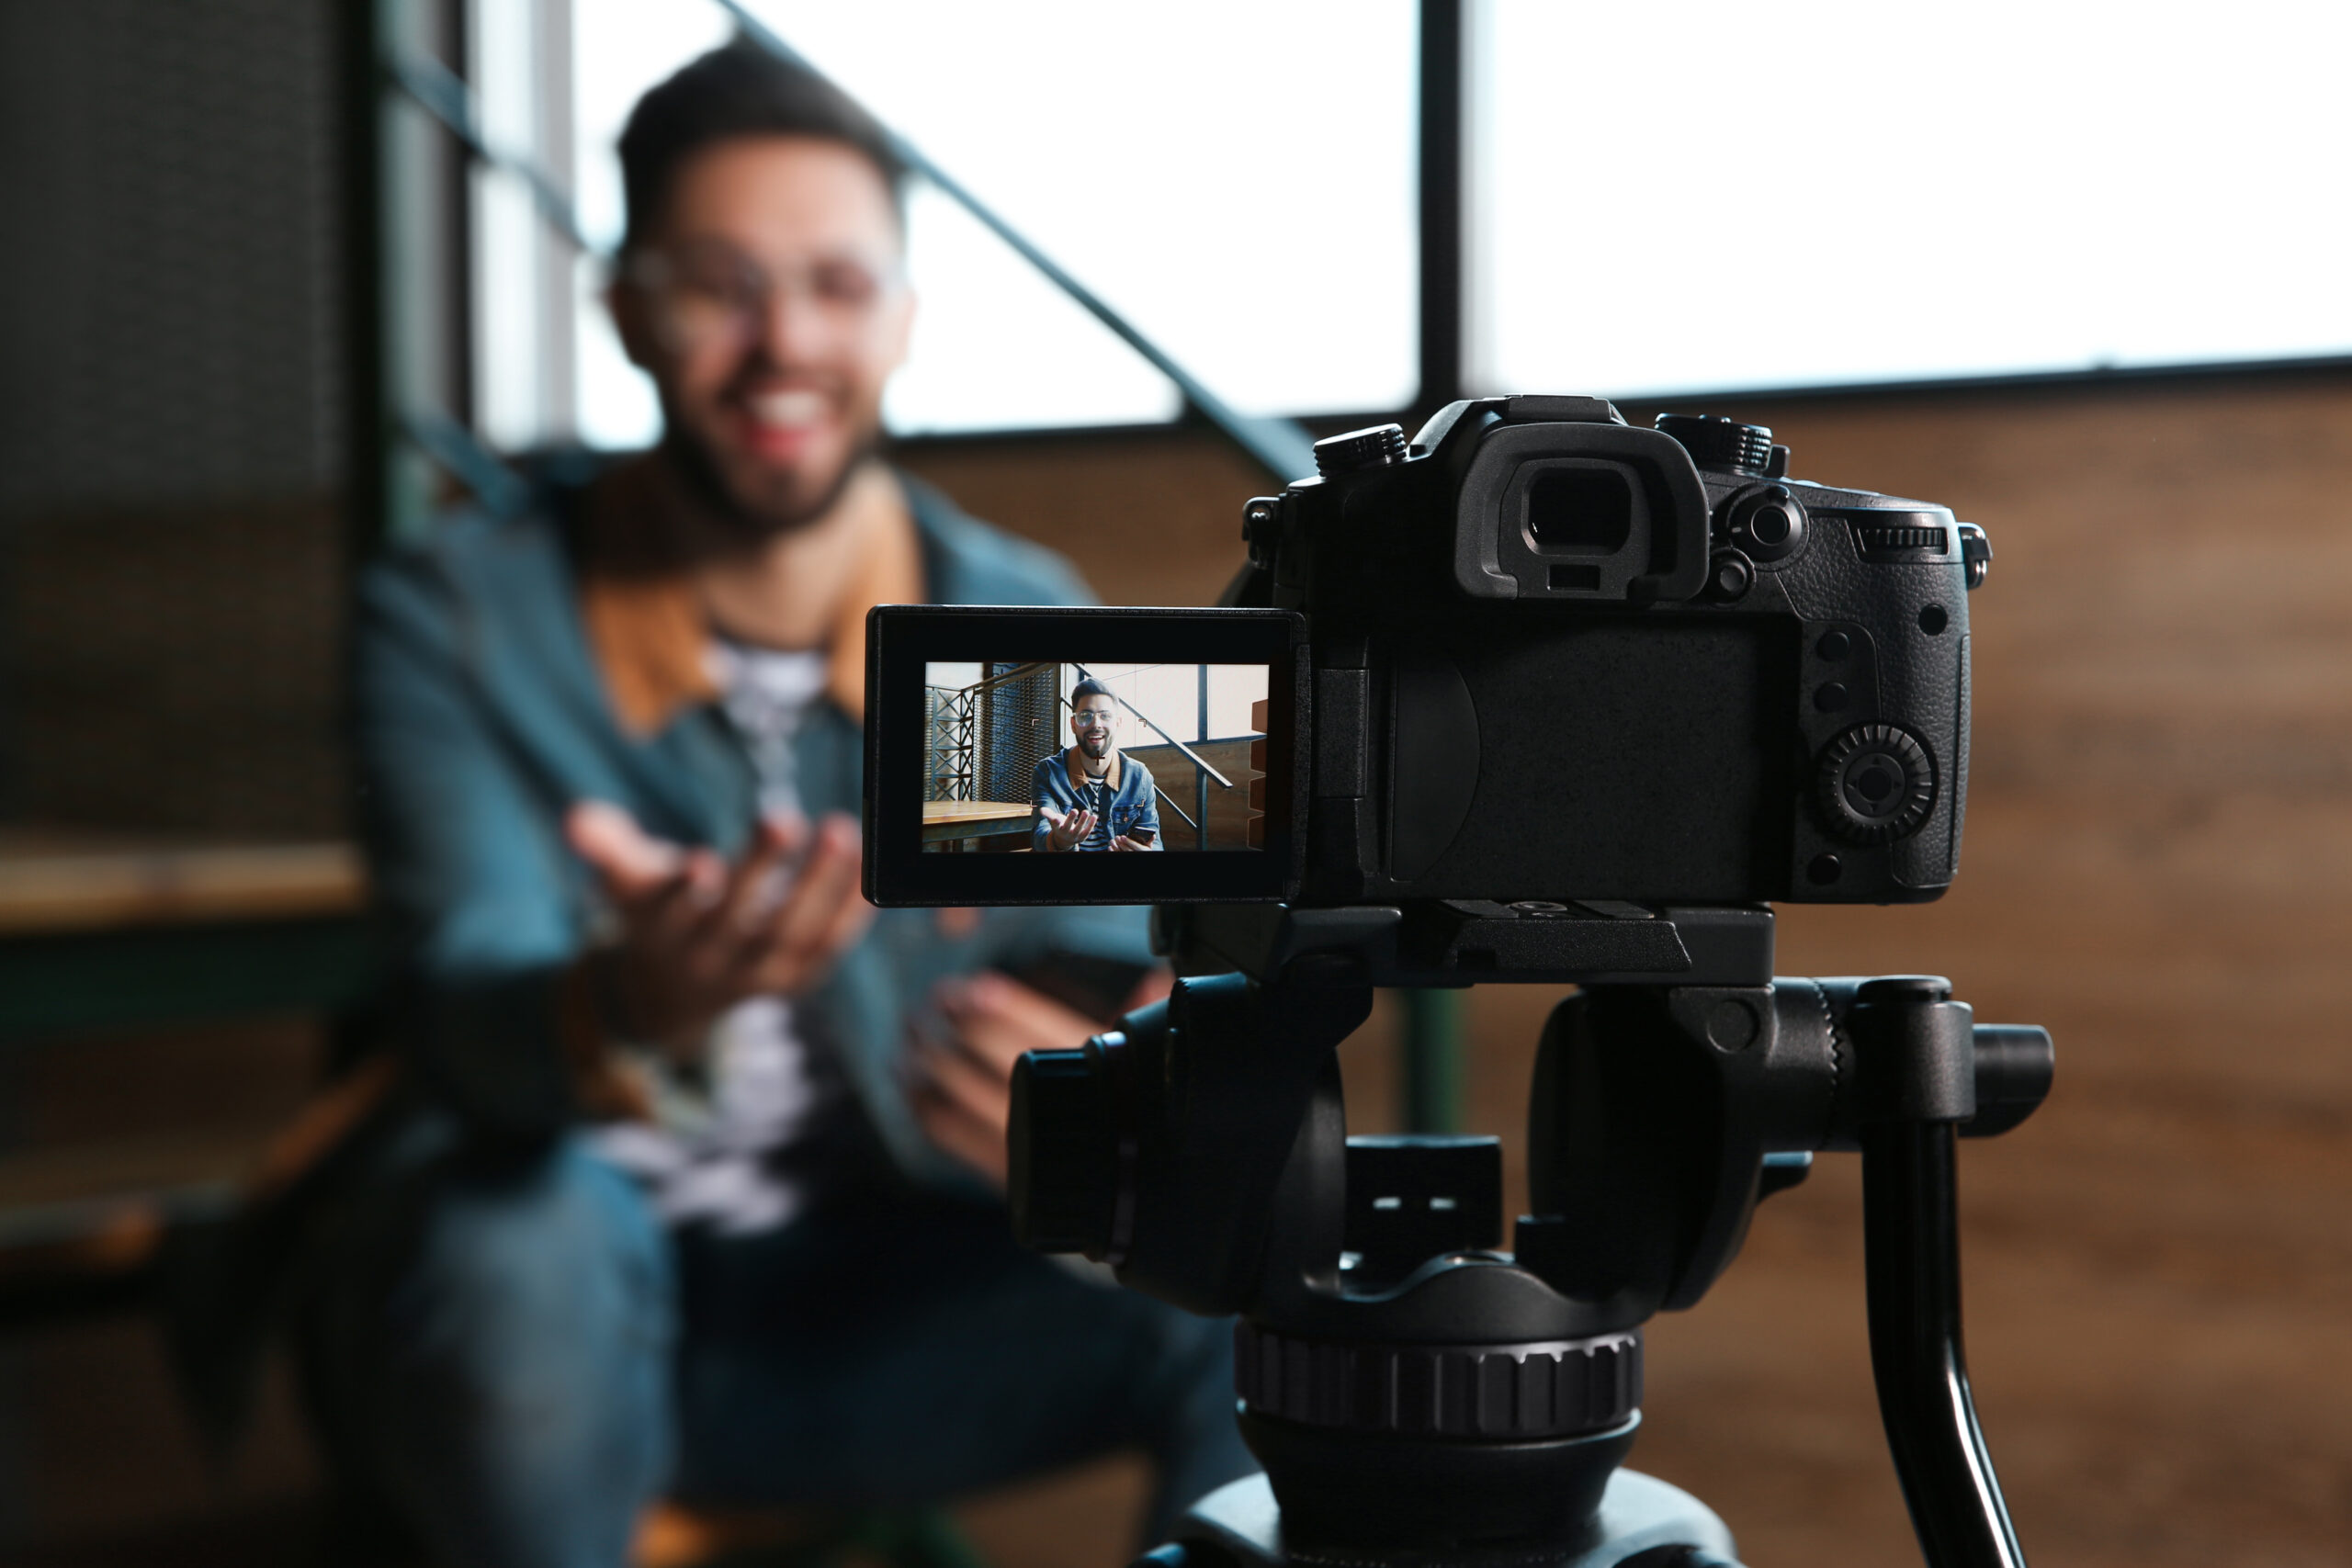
(1091, 720)
(706, 293)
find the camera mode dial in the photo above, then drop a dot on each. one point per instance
(1875, 783)
(1726, 445)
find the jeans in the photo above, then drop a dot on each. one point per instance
(509, 1350)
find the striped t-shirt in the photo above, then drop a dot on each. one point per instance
(1096, 798)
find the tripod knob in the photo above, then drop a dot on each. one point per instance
(1515, 1393)
(1063, 1180)
(2015, 1065)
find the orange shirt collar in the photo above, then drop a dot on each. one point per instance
(651, 637)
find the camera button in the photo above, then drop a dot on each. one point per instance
(1832, 698)
(1540, 910)
(1729, 577)
(1834, 645)
(1768, 525)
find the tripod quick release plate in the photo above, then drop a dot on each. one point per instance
(1461, 941)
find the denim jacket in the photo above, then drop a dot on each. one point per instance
(1135, 804)
(482, 715)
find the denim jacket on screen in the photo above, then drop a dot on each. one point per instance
(1135, 804)
(482, 716)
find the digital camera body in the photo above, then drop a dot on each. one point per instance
(1555, 656)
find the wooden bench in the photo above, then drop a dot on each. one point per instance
(101, 934)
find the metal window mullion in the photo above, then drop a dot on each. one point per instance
(1436, 1081)
(1442, 147)
(443, 94)
(413, 410)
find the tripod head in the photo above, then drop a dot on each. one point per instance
(1408, 1388)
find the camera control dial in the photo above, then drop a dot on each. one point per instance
(1375, 446)
(1875, 783)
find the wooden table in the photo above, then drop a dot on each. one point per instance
(950, 821)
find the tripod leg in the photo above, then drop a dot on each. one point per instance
(1911, 1236)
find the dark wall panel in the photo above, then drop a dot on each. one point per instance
(171, 417)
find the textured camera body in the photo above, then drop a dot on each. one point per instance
(1556, 657)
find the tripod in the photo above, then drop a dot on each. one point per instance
(1417, 1397)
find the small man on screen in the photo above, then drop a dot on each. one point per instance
(1094, 795)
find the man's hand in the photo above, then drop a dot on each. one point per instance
(1069, 828)
(698, 935)
(1124, 842)
(963, 1082)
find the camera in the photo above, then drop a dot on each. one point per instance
(1533, 656)
(1559, 656)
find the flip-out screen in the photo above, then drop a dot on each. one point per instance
(1086, 756)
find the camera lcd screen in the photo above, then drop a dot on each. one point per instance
(1090, 756)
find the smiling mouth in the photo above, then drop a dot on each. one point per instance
(793, 408)
(784, 425)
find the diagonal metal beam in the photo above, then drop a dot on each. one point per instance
(1281, 446)
(468, 458)
(1173, 807)
(437, 90)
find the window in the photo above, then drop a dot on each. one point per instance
(1235, 178)
(1661, 200)
(1707, 195)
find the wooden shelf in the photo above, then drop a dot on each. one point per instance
(53, 882)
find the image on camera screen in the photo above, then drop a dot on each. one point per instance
(1094, 758)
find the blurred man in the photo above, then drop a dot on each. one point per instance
(1094, 795)
(671, 1211)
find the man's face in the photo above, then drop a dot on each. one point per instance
(769, 305)
(1091, 723)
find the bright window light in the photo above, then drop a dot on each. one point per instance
(1708, 196)
(619, 48)
(1236, 178)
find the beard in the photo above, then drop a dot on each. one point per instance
(1096, 744)
(741, 520)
